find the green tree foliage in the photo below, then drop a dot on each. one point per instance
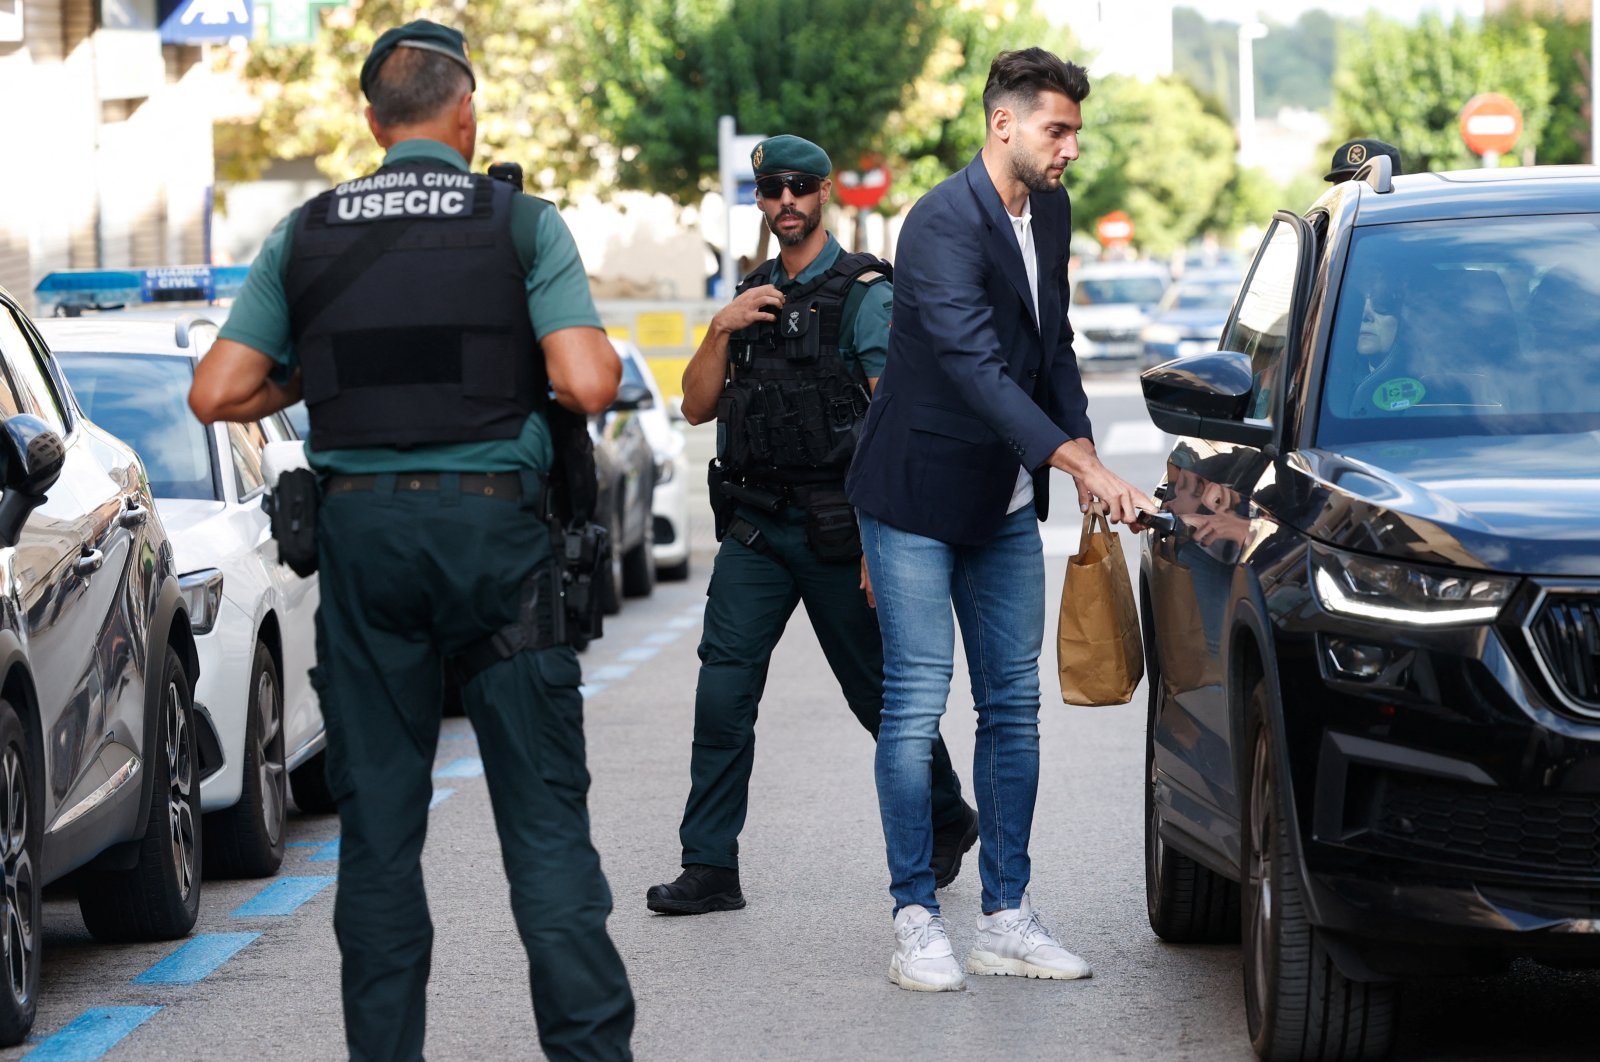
(1566, 46)
(1151, 149)
(311, 102)
(655, 75)
(1407, 85)
(1294, 63)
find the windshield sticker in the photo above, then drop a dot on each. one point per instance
(1402, 392)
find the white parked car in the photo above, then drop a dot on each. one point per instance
(252, 617)
(670, 499)
(1109, 306)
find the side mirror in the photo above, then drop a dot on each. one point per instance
(279, 457)
(1206, 396)
(631, 397)
(32, 455)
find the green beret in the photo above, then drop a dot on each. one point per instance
(789, 154)
(429, 36)
(1353, 154)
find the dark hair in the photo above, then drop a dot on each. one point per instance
(414, 85)
(1021, 75)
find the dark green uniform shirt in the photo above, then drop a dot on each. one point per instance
(558, 297)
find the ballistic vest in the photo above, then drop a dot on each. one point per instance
(793, 407)
(409, 313)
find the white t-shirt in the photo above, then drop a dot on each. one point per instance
(1022, 493)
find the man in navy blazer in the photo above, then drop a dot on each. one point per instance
(979, 399)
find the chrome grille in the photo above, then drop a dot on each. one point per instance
(1106, 335)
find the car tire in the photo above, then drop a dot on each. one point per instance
(159, 897)
(639, 568)
(309, 784)
(21, 839)
(1187, 903)
(674, 573)
(246, 840)
(1298, 1005)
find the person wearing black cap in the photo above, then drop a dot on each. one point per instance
(786, 369)
(429, 314)
(1353, 154)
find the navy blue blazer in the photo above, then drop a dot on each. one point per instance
(973, 388)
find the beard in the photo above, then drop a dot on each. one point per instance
(1033, 177)
(808, 225)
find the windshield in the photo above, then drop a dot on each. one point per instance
(1097, 291)
(1201, 294)
(1473, 327)
(143, 400)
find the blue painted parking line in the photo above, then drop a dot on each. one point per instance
(639, 652)
(591, 689)
(326, 854)
(91, 1034)
(611, 672)
(305, 844)
(663, 638)
(282, 897)
(458, 737)
(196, 959)
(465, 767)
(439, 797)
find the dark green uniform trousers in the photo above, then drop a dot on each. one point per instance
(408, 579)
(750, 599)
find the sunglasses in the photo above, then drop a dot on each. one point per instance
(801, 184)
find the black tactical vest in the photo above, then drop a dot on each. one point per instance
(792, 407)
(409, 313)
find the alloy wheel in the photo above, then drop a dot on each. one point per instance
(269, 756)
(1258, 872)
(19, 914)
(180, 781)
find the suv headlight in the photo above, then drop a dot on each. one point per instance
(202, 592)
(666, 468)
(1369, 588)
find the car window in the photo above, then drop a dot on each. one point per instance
(1261, 326)
(246, 441)
(143, 400)
(1454, 328)
(631, 373)
(278, 429)
(27, 375)
(1097, 291)
(9, 402)
(1201, 294)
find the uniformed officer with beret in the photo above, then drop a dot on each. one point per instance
(786, 370)
(428, 315)
(1353, 154)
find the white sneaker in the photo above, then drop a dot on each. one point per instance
(1015, 942)
(923, 961)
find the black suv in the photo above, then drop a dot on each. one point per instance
(1374, 634)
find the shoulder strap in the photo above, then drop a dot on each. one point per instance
(756, 277)
(844, 271)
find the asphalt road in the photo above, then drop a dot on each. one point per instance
(801, 972)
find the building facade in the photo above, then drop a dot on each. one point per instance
(106, 140)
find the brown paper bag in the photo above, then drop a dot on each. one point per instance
(1098, 650)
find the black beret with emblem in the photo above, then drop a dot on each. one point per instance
(1353, 154)
(789, 154)
(423, 34)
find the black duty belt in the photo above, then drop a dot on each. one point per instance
(506, 485)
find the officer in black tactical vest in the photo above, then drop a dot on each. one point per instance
(786, 369)
(431, 316)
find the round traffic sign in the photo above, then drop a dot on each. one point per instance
(1490, 122)
(1115, 227)
(865, 186)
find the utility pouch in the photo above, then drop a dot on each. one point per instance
(585, 552)
(722, 504)
(831, 530)
(734, 427)
(797, 324)
(292, 507)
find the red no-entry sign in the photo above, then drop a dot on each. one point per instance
(864, 186)
(1115, 227)
(1490, 122)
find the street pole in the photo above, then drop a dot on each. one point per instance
(1249, 32)
(725, 150)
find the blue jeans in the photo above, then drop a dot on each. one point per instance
(998, 593)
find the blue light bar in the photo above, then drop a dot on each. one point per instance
(73, 291)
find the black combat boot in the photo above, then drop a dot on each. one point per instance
(950, 843)
(699, 889)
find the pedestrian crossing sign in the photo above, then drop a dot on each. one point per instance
(199, 21)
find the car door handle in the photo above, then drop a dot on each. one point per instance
(132, 516)
(90, 561)
(1160, 523)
